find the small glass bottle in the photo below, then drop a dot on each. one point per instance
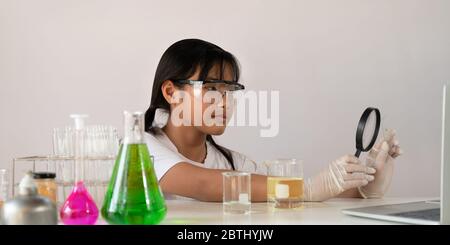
(46, 185)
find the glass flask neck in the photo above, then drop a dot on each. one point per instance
(134, 128)
(79, 145)
(79, 154)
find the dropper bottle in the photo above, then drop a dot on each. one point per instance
(79, 207)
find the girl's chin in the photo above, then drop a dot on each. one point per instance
(214, 130)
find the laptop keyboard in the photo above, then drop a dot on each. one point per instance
(428, 214)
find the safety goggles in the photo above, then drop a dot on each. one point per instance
(221, 86)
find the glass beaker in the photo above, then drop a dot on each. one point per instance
(133, 195)
(236, 192)
(285, 183)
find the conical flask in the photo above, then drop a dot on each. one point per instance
(79, 207)
(133, 195)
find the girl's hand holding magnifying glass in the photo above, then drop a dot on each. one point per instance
(381, 157)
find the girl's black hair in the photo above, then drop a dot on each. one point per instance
(180, 61)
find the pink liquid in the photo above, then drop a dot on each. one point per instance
(79, 208)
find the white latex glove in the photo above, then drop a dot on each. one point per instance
(381, 157)
(342, 174)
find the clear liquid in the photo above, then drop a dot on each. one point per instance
(236, 207)
(133, 195)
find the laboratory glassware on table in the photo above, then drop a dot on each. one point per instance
(101, 144)
(79, 207)
(236, 192)
(134, 195)
(285, 185)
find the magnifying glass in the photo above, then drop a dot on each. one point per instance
(367, 131)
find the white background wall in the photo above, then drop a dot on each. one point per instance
(328, 59)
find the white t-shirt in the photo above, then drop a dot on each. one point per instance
(166, 155)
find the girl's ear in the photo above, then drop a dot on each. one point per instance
(168, 90)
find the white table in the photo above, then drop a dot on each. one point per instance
(182, 212)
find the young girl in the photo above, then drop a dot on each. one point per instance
(189, 163)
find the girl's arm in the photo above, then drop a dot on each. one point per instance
(205, 184)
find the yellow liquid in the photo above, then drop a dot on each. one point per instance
(293, 196)
(47, 189)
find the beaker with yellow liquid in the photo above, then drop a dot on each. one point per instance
(285, 183)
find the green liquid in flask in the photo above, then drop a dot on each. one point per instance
(134, 196)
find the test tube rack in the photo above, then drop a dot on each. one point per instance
(97, 172)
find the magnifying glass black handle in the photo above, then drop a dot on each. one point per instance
(357, 153)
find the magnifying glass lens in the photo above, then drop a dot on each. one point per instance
(370, 129)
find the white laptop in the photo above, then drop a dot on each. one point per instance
(427, 212)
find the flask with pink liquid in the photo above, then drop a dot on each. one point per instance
(79, 207)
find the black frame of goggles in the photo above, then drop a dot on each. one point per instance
(237, 85)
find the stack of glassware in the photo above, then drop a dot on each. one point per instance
(101, 145)
(101, 141)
